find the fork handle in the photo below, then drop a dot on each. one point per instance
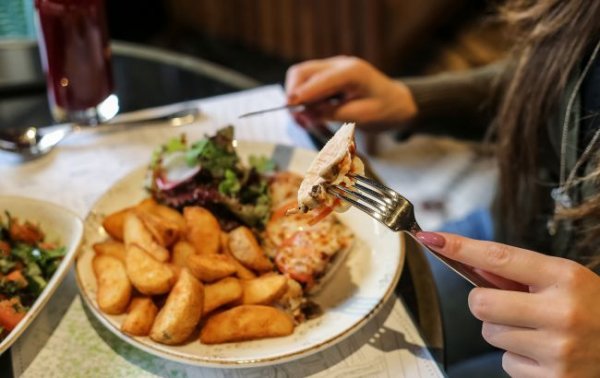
(463, 270)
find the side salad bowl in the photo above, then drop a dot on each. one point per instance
(60, 226)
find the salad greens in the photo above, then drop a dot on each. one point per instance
(209, 173)
(26, 265)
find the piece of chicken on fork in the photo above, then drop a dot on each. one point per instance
(336, 160)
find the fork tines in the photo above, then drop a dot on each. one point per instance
(373, 198)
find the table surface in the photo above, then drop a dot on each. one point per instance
(187, 80)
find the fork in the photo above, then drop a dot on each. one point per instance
(396, 213)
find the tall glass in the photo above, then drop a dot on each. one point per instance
(76, 57)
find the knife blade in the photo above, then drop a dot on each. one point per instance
(331, 100)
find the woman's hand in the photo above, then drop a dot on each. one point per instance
(550, 329)
(369, 95)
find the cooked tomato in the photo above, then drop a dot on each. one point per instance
(11, 313)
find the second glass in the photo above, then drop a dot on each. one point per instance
(76, 57)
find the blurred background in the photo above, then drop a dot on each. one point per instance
(261, 38)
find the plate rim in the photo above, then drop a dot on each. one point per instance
(57, 278)
(240, 363)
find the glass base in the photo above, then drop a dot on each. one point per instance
(104, 111)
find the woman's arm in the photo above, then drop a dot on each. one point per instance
(456, 103)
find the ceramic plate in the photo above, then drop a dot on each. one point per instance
(59, 225)
(354, 294)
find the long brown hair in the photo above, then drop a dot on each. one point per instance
(552, 38)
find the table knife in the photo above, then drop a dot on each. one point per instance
(331, 100)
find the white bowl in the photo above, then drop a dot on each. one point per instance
(58, 224)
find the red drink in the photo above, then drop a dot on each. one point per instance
(76, 57)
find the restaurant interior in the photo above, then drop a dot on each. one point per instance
(252, 43)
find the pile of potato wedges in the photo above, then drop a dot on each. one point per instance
(174, 273)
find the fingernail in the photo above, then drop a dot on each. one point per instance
(431, 239)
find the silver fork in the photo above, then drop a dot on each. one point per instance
(397, 213)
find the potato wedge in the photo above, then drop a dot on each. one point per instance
(242, 271)
(146, 204)
(264, 290)
(246, 322)
(181, 251)
(113, 223)
(181, 313)
(171, 215)
(134, 232)
(165, 232)
(220, 293)
(147, 275)
(245, 249)
(140, 317)
(202, 230)
(114, 288)
(209, 268)
(111, 247)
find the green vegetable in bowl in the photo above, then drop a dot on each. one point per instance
(27, 263)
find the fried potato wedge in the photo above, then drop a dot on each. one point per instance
(113, 223)
(245, 249)
(140, 317)
(135, 232)
(171, 215)
(111, 247)
(221, 293)
(264, 290)
(242, 271)
(209, 268)
(164, 231)
(202, 230)
(181, 313)
(146, 204)
(114, 288)
(246, 322)
(181, 250)
(147, 275)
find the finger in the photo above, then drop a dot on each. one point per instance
(361, 110)
(526, 342)
(501, 282)
(517, 264)
(512, 308)
(299, 73)
(324, 84)
(519, 366)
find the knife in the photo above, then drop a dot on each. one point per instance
(331, 100)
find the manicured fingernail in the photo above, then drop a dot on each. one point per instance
(431, 239)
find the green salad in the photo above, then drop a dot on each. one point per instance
(209, 173)
(27, 262)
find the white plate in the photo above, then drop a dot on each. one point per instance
(357, 291)
(58, 224)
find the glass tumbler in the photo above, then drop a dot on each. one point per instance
(76, 57)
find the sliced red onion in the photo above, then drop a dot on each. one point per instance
(175, 171)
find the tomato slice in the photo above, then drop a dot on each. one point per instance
(9, 316)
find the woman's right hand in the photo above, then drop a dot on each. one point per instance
(369, 96)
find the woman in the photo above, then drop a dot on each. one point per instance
(543, 102)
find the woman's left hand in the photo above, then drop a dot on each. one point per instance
(552, 327)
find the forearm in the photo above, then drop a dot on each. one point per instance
(461, 104)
